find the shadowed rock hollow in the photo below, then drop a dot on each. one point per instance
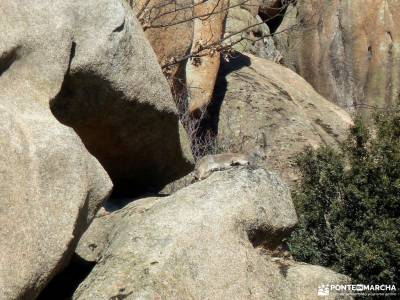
(115, 97)
(50, 186)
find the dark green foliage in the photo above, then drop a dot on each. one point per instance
(348, 203)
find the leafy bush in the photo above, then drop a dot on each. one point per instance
(348, 201)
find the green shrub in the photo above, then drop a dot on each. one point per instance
(348, 202)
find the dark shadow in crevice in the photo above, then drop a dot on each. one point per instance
(273, 16)
(64, 284)
(116, 203)
(259, 237)
(273, 244)
(71, 56)
(209, 124)
(206, 135)
(283, 268)
(7, 59)
(120, 27)
(136, 143)
(271, 240)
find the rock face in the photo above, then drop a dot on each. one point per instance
(162, 26)
(197, 25)
(266, 106)
(348, 50)
(256, 38)
(50, 186)
(178, 244)
(96, 238)
(88, 63)
(207, 241)
(304, 280)
(201, 72)
(116, 98)
(218, 162)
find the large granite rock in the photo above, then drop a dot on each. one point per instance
(305, 280)
(348, 50)
(116, 98)
(88, 63)
(178, 28)
(50, 186)
(247, 32)
(211, 240)
(97, 237)
(50, 189)
(163, 21)
(268, 108)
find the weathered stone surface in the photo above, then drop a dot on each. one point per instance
(177, 28)
(205, 242)
(247, 31)
(201, 72)
(91, 63)
(96, 238)
(163, 21)
(178, 184)
(50, 186)
(175, 247)
(118, 101)
(304, 280)
(348, 50)
(265, 105)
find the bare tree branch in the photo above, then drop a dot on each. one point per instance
(219, 47)
(142, 9)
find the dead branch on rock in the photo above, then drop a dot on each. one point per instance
(219, 46)
(201, 143)
(226, 49)
(171, 13)
(154, 14)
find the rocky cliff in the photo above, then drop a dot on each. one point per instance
(348, 50)
(105, 105)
